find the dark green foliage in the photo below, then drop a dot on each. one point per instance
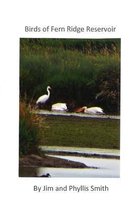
(28, 131)
(109, 88)
(77, 70)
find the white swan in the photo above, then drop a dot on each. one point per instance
(59, 107)
(42, 99)
(93, 110)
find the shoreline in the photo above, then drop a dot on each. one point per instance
(47, 161)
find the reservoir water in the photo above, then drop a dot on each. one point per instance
(106, 164)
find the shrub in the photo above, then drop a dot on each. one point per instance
(28, 131)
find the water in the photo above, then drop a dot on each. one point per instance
(73, 114)
(99, 167)
(81, 151)
(104, 168)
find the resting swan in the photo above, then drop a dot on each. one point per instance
(59, 107)
(93, 110)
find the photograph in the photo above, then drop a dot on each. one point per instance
(69, 107)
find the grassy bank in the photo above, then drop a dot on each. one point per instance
(81, 132)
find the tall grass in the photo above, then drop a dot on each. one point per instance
(75, 75)
(83, 45)
(29, 130)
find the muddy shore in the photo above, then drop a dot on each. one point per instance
(47, 161)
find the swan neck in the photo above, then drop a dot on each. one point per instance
(48, 91)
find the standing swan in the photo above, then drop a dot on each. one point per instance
(42, 99)
(93, 110)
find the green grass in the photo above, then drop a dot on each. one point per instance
(74, 69)
(81, 132)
